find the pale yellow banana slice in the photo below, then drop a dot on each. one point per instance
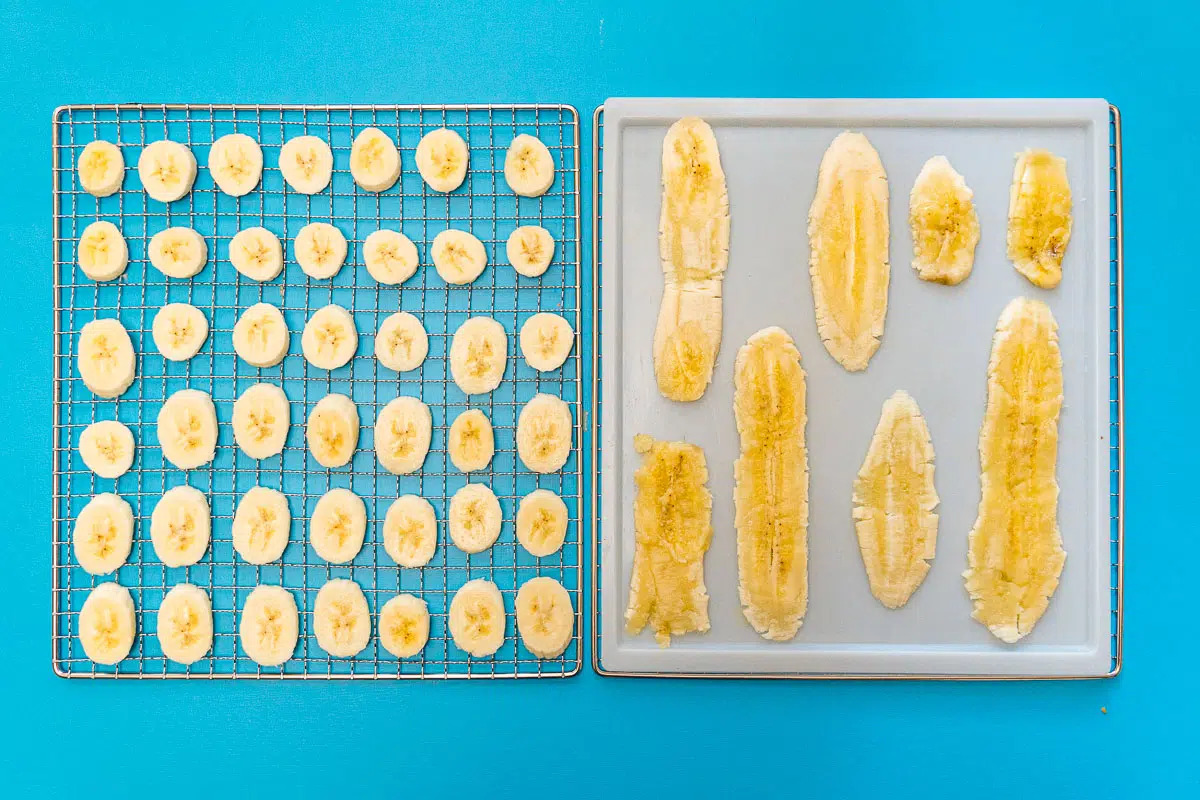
(262, 525)
(103, 534)
(945, 227)
(185, 624)
(167, 170)
(528, 166)
(402, 342)
(103, 253)
(107, 448)
(320, 250)
(471, 443)
(403, 429)
(306, 163)
(546, 341)
(181, 526)
(542, 522)
(256, 253)
(458, 256)
(476, 618)
(106, 361)
(262, 416)
(410, 531)
(178, 252)
(474, 518)
(260, 336)
(187, 429)
(390, 257)
(338, 526)
(179, 331)
(374, 160)
(101, 168)
(107, 623)
(341, 618)
(545, 617)
(442, 159)
(269, 626)
(330, 339)
(478, 355)
(404, 625)
(333, 430)
(235, 162)
(545, 434)
(530, 249)
(1039, 217)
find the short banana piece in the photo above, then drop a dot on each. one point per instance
(107, 448)
(341, 618)
(390, 257)
(181, 526)
(262, 525)
(107, 623)
(546, 341)
(101, 168)
(403, 429)
(530, 249)
(235, 162)
(269, 626)
(262, 416)
(471, 442)
(374, 160)
(306, 163)
(478, 355)
(1039, 217)
(260, 336)
(458, 256)
(187, 429)
(442, 159)
(167, 170)
(945, 227)
(338, 526)
(185, 624)
(333, 430)
(103, 253)
(178, 252)
(545, 617)
(474, 518)
(410, 531)
(330, 339)
(542, 523)
(545, 434)
(401, 343)
(528, 166)
(179, 331)
(106, 361)
(320, 250)
(476, 618)
(256, 253)
(103, 534)
(404, 625)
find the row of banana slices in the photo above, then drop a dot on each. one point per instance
(167, 169)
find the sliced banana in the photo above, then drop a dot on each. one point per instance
(103, 534)
(269, 626)
(545, 617)
(256, 253)
(374, 160)
(262, 525)
(546, 341)
(542, 522)
(106, 361)
(338, 525)
(107, 623)
(306, 163)
(178, 252)
(103, 253)
(106, 448)
(477, 618)
(474, 518)
(545, 434)
(471, 442)
(260, 336)
(530, 250)
(320, 250)
(187, 429)
(390, 256)
(459, 256)
(528, 166)
(262, 416)
(330, 339)
(179, 331)
(478, 355)
(181, 526)
(341, 618)
(404, 625)
(101, 168)
(167, 170)
(402, 342)
(410, 531)
(442, 159)
(235, 162)
(185, 624)
(945, 227)
(333, 430)
(1039, 217)
(403, 429)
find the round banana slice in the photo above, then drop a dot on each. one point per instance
(442, 159)
(402, 342)
(167, 170)
(187, 429)
(262, 525)
(107, 623)
(106, 448)
(402, 432)
(269, 626)
(471, 442)
(320, 250)
(101, 168)
(178, 252)
(106, 361)
(256, 253)
(260, 336)
(333, 430)
(181, 526)
(338, 525)
(374, 160)
(341, 618)
(544, 434)
(404, 625)
(546, 341)
(545, 617)
(262, 416)
(103, 252)
(474, 518)
(528, 166)
(179, 331)
(478, 355)
(477, 618)
(530, 250)
(542, 522)
(459, 256)
(329, 340)
(410, 531)
(103, 534)
(306, 163)
(235, 162)
(185, 624)
(390, 256)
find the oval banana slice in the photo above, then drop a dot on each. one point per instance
(185, 624)
(528, 166)
(178, 252)
(333, 430)
(106, 361)
(330, 339)
(107, 623)
(458, 256)
(402, 342)
(476, 618)
(103, 253)
(374, 160)
(545, 617)
(442, 159)
(403, 429)
(262, 525)
(542, 522)
(101, 168)
(341, 618)
(306, 163)
(187, 429)
(1039, 217)
(103, 534)
(167, 170)
(478, 355)
(410, 531)
(181, 526)
(235, 162)
(270, 625)
(320, 250)
(260, 336)
(545, 434)
(530, 249)
(390, 257)
(404, 625)
(945, 227)
(179, 331)
(474, 518)
(546, 341)
(471, 441)
(107, 448)
(256, 253)
(338, 526)
(262, 416)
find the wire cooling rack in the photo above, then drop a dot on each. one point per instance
(484, 205)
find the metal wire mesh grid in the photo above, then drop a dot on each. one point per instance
(483, 205)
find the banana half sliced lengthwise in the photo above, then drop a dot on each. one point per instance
(1039, 217)
(1015, 554)
(693, 238)
(771, 484)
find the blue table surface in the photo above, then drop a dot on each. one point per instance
(591, 736)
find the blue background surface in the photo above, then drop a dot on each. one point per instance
(591, 736)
